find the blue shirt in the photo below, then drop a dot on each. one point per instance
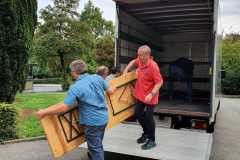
(88, 90)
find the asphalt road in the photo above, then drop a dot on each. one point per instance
(226, 142)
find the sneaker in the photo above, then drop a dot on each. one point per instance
(142, 139)
(148, 145)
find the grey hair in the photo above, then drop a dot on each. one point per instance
(102, 70)
(145, 49)
(78, 66)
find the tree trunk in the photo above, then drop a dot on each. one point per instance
(65, 84)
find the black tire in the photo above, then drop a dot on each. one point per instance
(176, 123)
(210, 128)
(160, 117)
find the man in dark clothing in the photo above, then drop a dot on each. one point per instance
(181, 70)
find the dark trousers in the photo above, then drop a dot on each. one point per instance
(94, 137)
(144, 115)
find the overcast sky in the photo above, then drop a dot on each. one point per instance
(230, 12)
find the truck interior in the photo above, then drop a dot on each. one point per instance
(173, 29)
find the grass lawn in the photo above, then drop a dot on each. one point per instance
(26, 103)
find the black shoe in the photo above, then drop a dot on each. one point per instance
(142, 139)
(148, 145)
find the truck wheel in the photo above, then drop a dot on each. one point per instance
(210, 128)
(176, 123)
(161, 118)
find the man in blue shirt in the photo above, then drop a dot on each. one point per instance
(88, 91)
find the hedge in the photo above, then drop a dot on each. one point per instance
(231, 65)
(8, 118)
(48, 81)
(18, 19)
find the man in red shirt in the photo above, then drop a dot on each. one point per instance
(146, 91)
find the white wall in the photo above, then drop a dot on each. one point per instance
(132, 26)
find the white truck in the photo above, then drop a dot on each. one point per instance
(173, 29)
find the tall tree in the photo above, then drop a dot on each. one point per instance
(52, 52)
(61, 37)
(92, 16)
(61, 16)
(18, 20)
(104, 52)
(103, 32)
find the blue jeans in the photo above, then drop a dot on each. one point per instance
(94, 137)
(177, 74)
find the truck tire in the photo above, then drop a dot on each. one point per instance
(210, 128)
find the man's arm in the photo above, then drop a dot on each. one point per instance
(129, 66)
(156, 88)
(157, 78)
(154, 91)
(54, 109)
(111, 90)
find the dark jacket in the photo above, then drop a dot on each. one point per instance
(186, 65)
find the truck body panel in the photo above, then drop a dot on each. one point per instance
(174, 29)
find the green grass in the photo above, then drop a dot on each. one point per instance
(29, 125)
(37, 101)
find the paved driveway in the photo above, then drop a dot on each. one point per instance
(45, 88)
(226, 143)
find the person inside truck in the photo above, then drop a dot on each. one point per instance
(115, 72)
(181, 70)
(88, 91)
(146, 92)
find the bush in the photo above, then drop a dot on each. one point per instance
(231, 64)
(8, 117)
(231, 83)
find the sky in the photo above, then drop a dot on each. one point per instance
(230, 15)
(229, 12)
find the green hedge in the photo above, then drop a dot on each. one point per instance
(48, 81)
(231, 65)
(18, 19)
(231, 83)
(8, 118)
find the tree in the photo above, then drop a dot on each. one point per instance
(98, 25)
(103, 32)
(18, 20)
(104, 52)
(61, 38)
(65, 35)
